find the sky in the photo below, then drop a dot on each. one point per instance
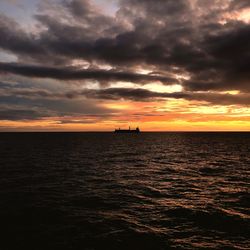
(97, 65)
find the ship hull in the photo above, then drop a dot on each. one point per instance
(124, 131)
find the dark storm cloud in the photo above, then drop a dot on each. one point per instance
(239, 4)
(134, 94)
(190, 38)
(18, 103)
(228, 65)
(14, 39)
(71, 73)
(148, 40)
(147, 95)
(158, 8)
(21, 114)
(130, 94)
(30, 93)
(81, 8)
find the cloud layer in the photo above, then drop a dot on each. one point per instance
(201, 45)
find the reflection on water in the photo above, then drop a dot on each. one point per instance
(115, 191)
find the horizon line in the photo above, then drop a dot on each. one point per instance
(112, 131)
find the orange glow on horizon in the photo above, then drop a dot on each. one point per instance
(161, 125)
(171, 115)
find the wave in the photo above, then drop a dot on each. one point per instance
(213, 219)
(211, 170)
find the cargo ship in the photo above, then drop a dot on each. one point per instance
(137, 130)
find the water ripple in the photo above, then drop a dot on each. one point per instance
(108, 191)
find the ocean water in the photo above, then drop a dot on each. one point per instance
(116, 191)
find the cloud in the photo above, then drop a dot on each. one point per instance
(147, 95)
(40, 104)
(239, 4)
(134, 94)
(21, 114)
(163, 34)
(228, 66)
(77, 74)
(14, 39)
(198, 44)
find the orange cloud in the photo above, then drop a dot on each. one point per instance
(175, 115)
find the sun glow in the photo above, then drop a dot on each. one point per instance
(231, 92)
(155, 87)
(119, 106)
(243, 15)
(163, 88)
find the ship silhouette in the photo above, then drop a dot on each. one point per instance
(137, 130)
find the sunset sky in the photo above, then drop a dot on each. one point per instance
(96, 65)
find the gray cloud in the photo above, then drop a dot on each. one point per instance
(171, 37)
(135, 94)
(20, 114)
(77, 74)
(147, 95)
(239, 4)
(163, 34)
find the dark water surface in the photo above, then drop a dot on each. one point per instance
(115, 191)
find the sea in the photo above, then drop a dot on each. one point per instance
(112, 191)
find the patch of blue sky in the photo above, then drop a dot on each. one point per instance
(21, 11)
(7, 57)
(109, 7)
